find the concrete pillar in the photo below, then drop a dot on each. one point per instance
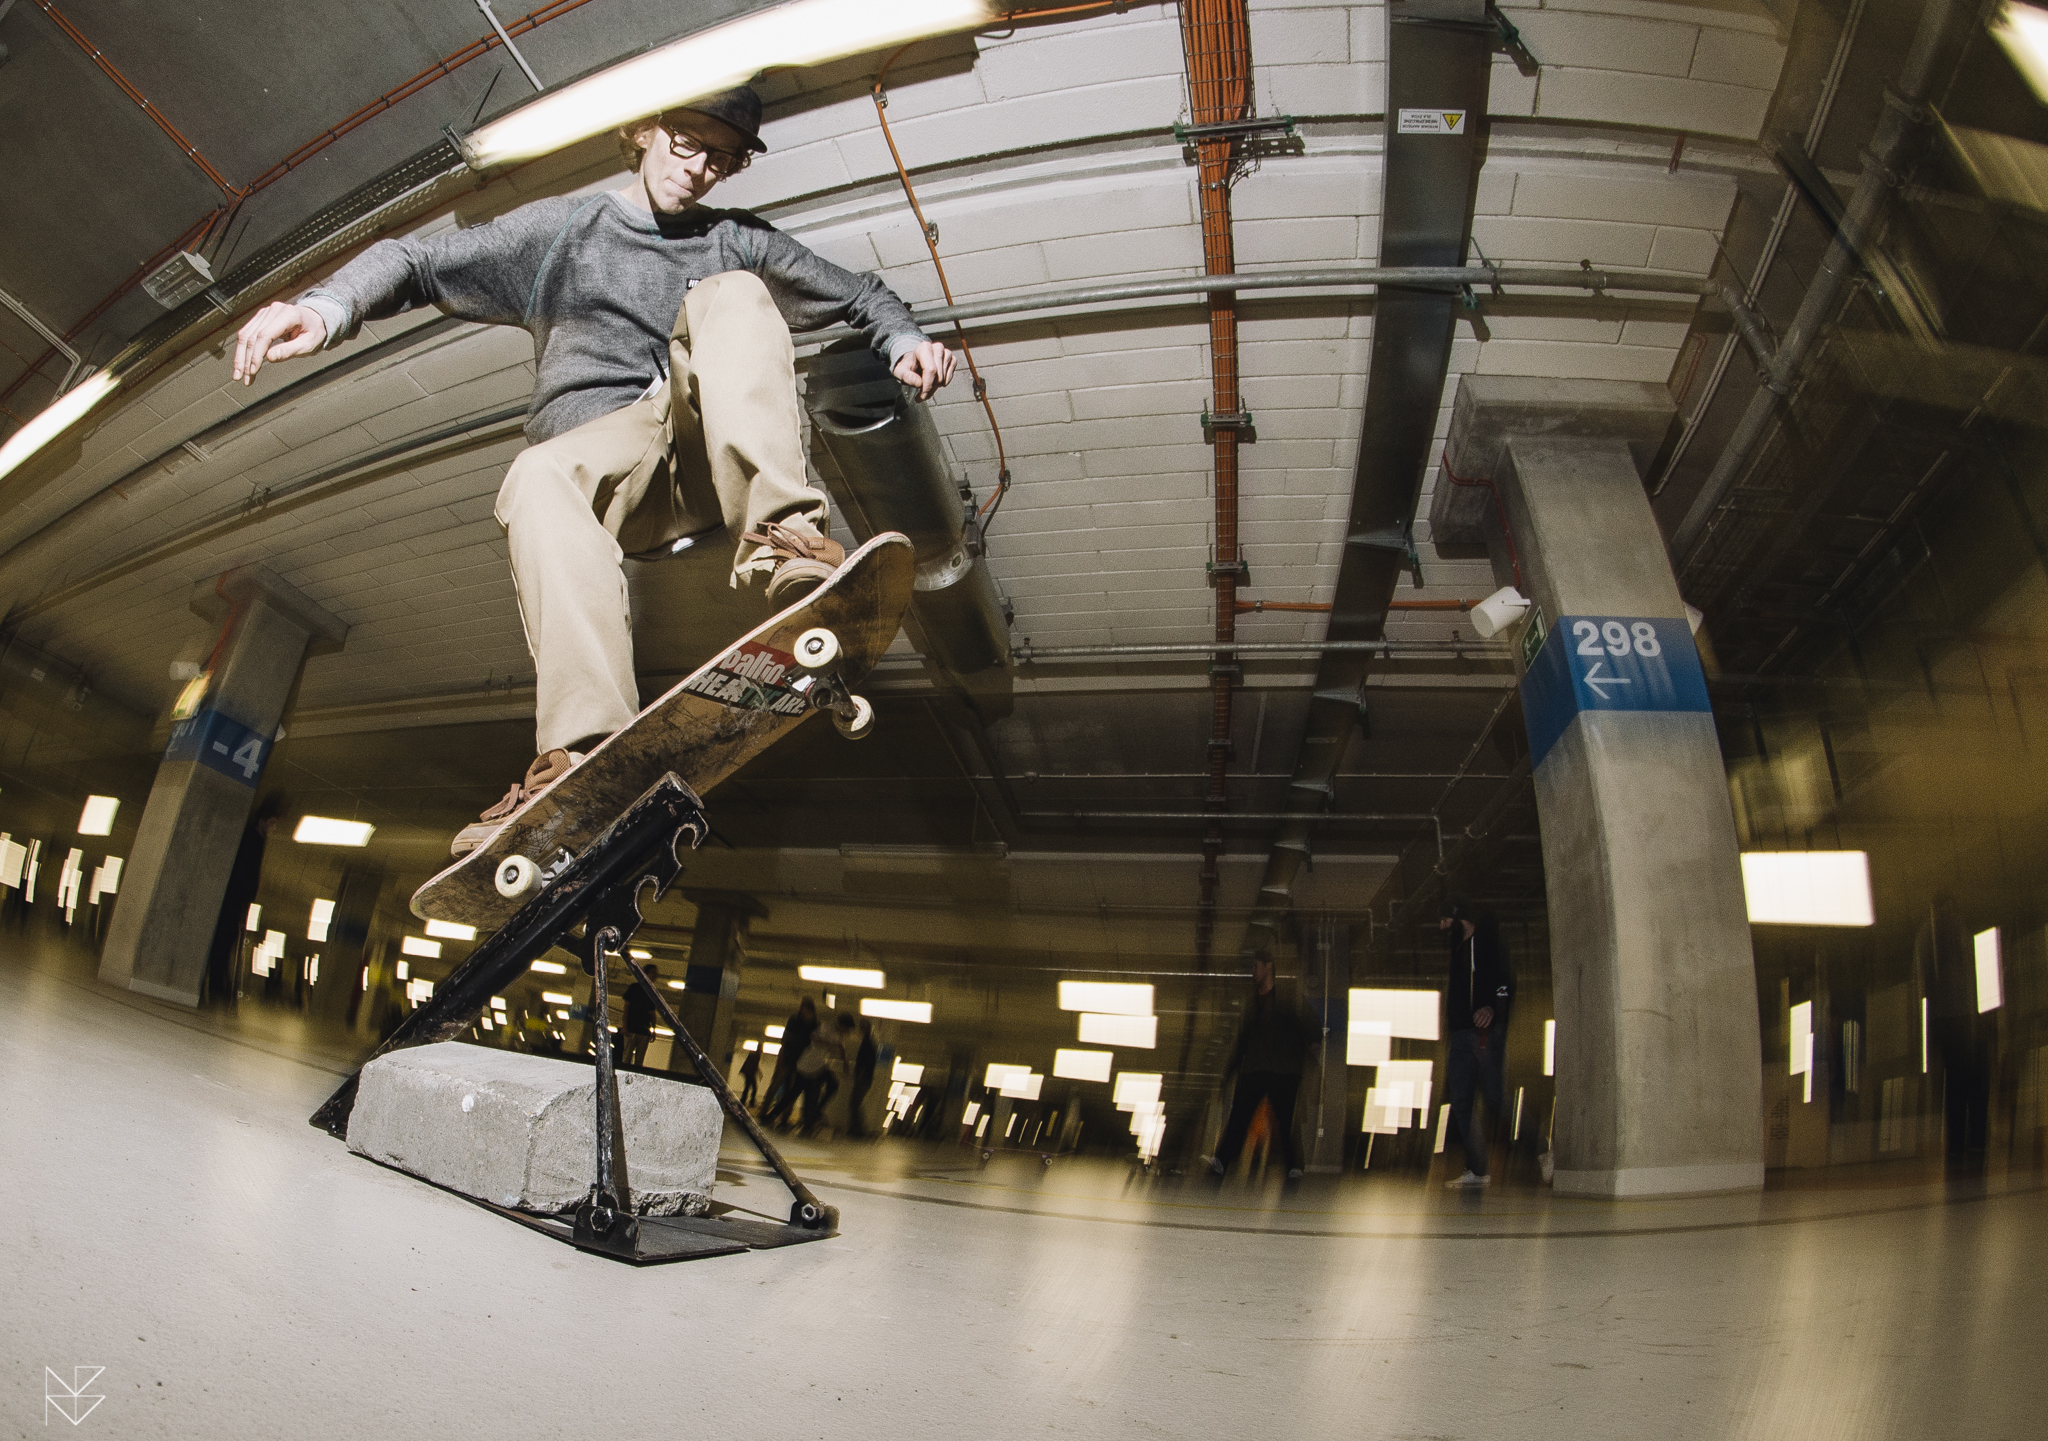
(1658, 1052)
(1325, 951)
(206, 787)
(718, 955)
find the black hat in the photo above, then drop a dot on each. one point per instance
(739, 107)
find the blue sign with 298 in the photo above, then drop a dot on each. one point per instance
(1609, 662)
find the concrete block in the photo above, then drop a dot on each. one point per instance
(1100, 53)
(519, 1130)
(1301, 37)
(1312, 90)
(1516, 239)
(1690, 252)
(1605, 42)
(1665, 102)
(1323, 240)
(1369, 32)
(1651, 197)
(1734, 58)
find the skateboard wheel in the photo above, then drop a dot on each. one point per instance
(515, 876)
(856, 726)
(817, 649)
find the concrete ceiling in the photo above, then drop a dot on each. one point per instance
(1045, 156)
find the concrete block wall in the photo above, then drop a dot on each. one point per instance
(1045, 157)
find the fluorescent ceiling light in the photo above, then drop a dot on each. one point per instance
(1082, 1065)
(322, 917)
(549, 968)
(1550, 1048)
(1399, 1099)
(773, 1032)
(1410, 1014)
(421, 946)
(641, 955)
(1110, 998)
(905, 1071)
(677, 986)
(1022, 1088)
(2022, 32)
(771, 1048)
(1137, 1088)
(403, 970)
(881, 1010)
(451, 930)
(842, 976)
(556, 998)
(1807, 888)
(1140, 1031)
(804, 32)
(750, 1045)
(97, 819)
(54, 419)
(998, 1075)
(326, 831)
(497, 1003)
(1990, 985)
(250, 922)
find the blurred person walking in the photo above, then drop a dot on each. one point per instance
(863, 1078)
(750, 1077)
(796, 1039)
(1273, 1045)
(1959, 1033)
(1478, 991)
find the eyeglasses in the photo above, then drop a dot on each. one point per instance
(721, 163)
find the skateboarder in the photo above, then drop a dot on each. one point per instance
(664, 404)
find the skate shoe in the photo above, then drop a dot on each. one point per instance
(803, 562)
(544, 772)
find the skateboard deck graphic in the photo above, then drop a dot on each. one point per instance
(715, 720)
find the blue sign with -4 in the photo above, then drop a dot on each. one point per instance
(220, 743)
(1609, 662)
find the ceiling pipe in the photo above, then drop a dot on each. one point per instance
(1216, 40)
(1028, 653)
(1902, 116)
(1439, 59)
(1455, 278)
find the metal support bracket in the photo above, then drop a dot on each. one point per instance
(1395, 538)
(1237, 421)
(599, 891)
(1255, 137)
(1239, 570)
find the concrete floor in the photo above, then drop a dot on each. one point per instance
(237, 1273)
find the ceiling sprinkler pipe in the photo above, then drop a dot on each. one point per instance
(1838, 267)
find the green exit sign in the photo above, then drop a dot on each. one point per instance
(1532, 636)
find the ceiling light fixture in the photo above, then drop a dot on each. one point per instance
(55, 418)
(881, 1010)
(97, 819)
(451, 930)
(420, 946)
(843, 976)
(1107, 997)
(326, 831)
(803, 32)
(2022, 32)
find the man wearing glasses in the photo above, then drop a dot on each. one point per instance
(664, 403)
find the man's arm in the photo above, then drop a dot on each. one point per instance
(483, 273)
(813, 293)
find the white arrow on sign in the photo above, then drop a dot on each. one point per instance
(1596, 680)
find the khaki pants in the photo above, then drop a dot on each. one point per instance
(721, 444)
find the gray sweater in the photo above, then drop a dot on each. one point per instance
(598, 283)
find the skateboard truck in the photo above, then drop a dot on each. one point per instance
(817, 654)
(599, 891)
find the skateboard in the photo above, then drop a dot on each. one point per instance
(707, 726)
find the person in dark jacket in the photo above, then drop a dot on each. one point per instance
(863, 1078)
(1273, 1044)
(750, 1077)
(783, 1086)
(1478, 992)
(223, 964)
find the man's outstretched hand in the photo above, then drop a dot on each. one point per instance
(928, 367)
(279, 331)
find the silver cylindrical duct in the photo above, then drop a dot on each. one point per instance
(887, 452)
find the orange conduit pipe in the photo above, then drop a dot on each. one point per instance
(1499, 509)
(94, 54)
(1216, 39)
(1255, 606)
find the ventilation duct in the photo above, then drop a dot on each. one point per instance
(892, 476)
